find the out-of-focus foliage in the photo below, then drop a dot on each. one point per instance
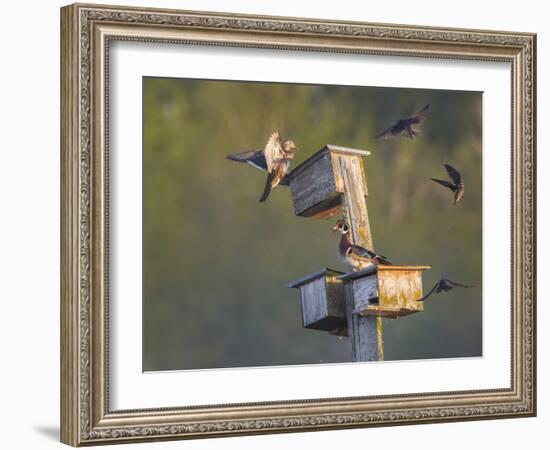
(215, 261)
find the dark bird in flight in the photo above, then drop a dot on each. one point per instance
(275, 159)
(457, 186)
(444, 285)
(406, 127)
(356, 256)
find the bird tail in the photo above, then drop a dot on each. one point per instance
(432, 290)
(267, 188)
(412, 132)
(383, 260)
(378, 259)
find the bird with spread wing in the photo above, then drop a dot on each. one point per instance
(407, 127)
(444, 285)
(457, 185)
(275, 159)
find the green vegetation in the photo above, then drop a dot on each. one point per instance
(215, 261)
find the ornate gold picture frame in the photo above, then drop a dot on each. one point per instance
(87, 32)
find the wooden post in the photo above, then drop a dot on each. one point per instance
(331, 182)
(365, 332)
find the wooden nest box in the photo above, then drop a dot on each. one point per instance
(322, 300)
(318, 184)
(386, 291)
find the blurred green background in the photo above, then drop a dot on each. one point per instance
(216, 262)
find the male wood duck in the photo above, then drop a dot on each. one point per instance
(457, 186)
(275, 159)
(353, 255)
(406, 127)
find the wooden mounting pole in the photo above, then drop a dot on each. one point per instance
(330, 181)
(365, 332)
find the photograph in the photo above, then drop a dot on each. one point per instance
(275, 224)
(276, 214)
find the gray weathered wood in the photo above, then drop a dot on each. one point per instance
(316, 184)
(365, 291)
(322, 300)
(365, 332)
(355, 205)
(314, 311)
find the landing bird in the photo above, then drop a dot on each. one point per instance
(457, 186)
(443, 285)
(275, 159)
(406, 126)
(356, 256)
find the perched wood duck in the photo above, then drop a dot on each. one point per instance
(353, 255)
(406, 126)
(457, 186)
(275, 159)
(444, 285)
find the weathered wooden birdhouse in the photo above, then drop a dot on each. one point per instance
(386, 291)
(322, 300)
(318, 184)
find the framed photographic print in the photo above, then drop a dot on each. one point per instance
(276, 224)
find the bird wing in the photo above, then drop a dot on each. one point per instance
(429, 293)
(361, 251)
(388, 133)
(353, 252)
(455, 284)
(366, 253)
(255, 158)
(273, 151)
(420, 115)
(374, 254)
(445, 183)
(454, 174)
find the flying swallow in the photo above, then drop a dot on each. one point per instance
(406, 126)
(457, 186)
(444, 285)
(275, 159)
(356, 256)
